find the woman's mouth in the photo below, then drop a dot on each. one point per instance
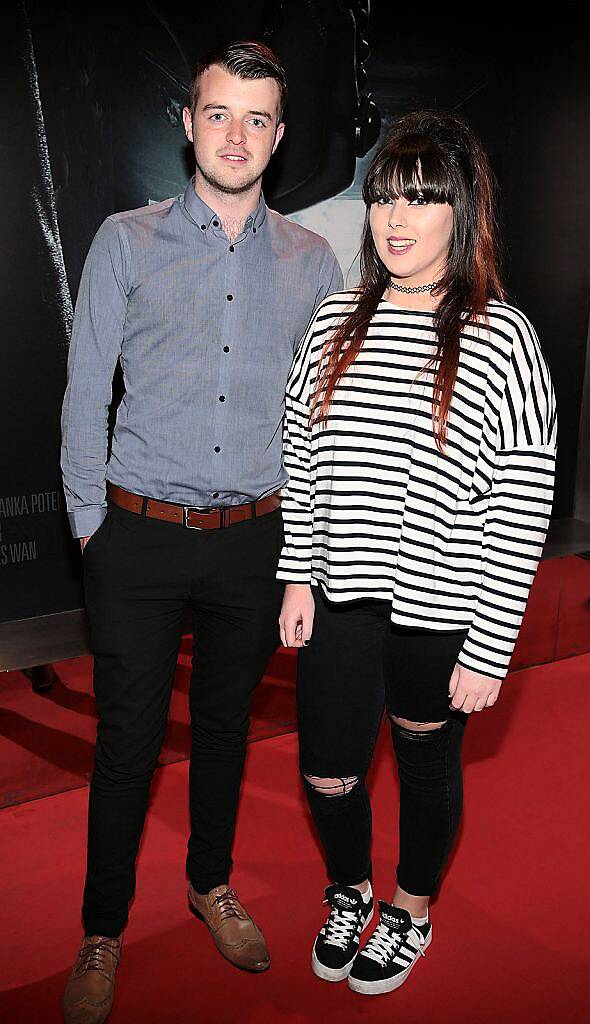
(400, 246)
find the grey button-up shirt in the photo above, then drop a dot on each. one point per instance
(205, 332)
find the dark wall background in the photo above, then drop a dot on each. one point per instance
(92, 105)
(520, 74)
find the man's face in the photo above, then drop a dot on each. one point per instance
(234, 131)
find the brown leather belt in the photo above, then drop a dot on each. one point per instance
(193, 517)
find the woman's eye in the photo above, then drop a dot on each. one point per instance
(384, 201)
(419, 201)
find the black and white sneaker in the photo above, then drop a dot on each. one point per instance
(337, 943)
(391, 952)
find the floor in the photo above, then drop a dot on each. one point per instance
(47, 740)
(509, 940)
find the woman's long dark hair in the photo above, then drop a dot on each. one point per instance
(436, 156)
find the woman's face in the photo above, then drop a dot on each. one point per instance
(412, 238)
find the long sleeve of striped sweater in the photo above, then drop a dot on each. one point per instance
(519, 510)
(371, 509)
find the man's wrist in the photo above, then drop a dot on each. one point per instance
(86, 521)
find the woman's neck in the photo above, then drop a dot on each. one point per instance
(422, 301)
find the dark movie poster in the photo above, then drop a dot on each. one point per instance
(38, 562)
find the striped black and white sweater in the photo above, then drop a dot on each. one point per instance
(373, 509)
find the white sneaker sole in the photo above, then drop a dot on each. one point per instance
(377, 988)
(331, 973)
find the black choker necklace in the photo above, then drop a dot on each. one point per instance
(412, 291)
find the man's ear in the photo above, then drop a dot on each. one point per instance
(187, 121)
(278, 135)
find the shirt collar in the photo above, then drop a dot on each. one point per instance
(205, 217)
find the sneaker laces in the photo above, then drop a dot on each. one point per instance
(340, 927)
(93, 957)
(384, 944)
(229, 906)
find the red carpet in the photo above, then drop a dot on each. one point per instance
(509, 944)
(47, 740)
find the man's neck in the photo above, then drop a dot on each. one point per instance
(232, 210)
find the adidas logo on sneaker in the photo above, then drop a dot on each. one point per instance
(337, 943)
(342, 899)
(391, 952)
(393, 920)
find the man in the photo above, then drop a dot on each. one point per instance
(203, 299)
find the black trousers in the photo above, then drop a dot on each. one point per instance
(141, 576)
(356, 664)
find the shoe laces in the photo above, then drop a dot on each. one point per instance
(93, 957)
(384, 944)
(229, 905)
(340, 927)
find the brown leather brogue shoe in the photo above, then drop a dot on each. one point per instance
(90, 990)
(233, 930)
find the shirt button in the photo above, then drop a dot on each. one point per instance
(222, 398)
(231, 248)
(253, 231)
(230, 298)
(217, 448)
(215, 494)
(203, 227)
(215, 223)
(226, 348)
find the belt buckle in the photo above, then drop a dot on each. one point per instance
(202, 509)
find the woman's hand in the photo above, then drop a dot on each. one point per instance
(471, 691)
(296, 618)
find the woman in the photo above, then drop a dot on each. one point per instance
(420, 443)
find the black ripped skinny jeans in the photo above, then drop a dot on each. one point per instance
(356, 664)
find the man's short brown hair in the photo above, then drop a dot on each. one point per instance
(245, 60)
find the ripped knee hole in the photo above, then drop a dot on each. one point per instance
(332, 787)
(405, 723)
